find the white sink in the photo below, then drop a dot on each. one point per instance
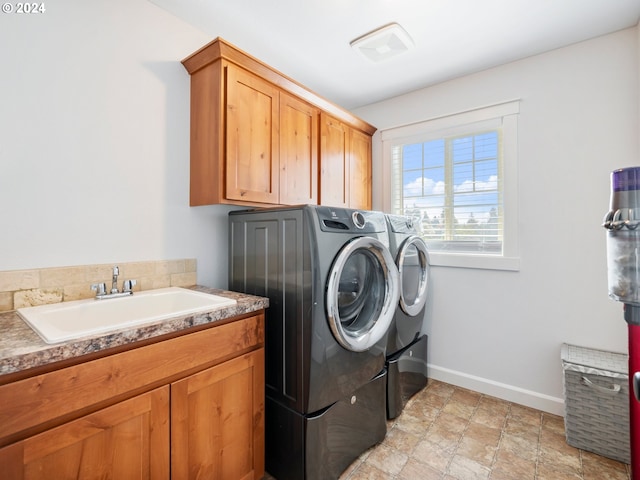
(68, 320)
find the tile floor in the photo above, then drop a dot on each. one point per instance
(450, 433)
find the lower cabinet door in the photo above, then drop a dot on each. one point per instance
(217, 421)
(129, 440)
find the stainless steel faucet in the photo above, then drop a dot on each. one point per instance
(101, 288)
(114, 279)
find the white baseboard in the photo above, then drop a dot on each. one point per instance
(503, 391)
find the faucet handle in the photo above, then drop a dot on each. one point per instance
(116, 270)
(127, 285)
(99, 288)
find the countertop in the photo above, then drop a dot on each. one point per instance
(21, 348)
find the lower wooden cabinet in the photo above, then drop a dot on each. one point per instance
(213, 430)
(204, 423)
(127, 440)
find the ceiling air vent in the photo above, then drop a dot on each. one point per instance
(382, 43)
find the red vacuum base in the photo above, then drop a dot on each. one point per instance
(634, 404)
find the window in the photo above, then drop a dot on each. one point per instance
(456, 176)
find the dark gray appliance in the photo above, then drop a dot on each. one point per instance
(406, 360)
(333, 288)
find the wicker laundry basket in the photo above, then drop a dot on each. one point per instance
(596, 388)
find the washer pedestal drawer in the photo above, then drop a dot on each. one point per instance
(322, 445)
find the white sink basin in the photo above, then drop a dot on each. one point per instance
(68, 320)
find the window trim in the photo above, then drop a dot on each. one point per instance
(504, 115)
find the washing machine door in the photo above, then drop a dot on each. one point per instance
(362, 293)
(413, 266)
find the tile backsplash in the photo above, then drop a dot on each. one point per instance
(25, 288)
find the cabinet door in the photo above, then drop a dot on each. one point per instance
(334, 162)
(298, 151)
(127, 440)
(360, 170)
(252, 126)
(217, 421)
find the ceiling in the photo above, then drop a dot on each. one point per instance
(308, 40)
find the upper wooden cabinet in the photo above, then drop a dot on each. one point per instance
(334, 170)
(345, 173)
(359, 169)
(252, 125)
(298, 151)
(256, 137)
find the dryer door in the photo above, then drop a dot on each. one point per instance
(363, 289)
(413, 265)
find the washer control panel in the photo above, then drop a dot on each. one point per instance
(348, 220)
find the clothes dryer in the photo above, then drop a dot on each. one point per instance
(406, 355)
(333, 288)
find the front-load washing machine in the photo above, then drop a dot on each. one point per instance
(333, 288)
(406, 360)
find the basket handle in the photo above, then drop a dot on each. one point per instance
(613, 390)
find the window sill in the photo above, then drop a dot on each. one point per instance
(465, 260)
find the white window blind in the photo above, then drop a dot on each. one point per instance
(457, 177)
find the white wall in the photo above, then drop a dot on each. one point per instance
(94, 140)
(500, 332)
